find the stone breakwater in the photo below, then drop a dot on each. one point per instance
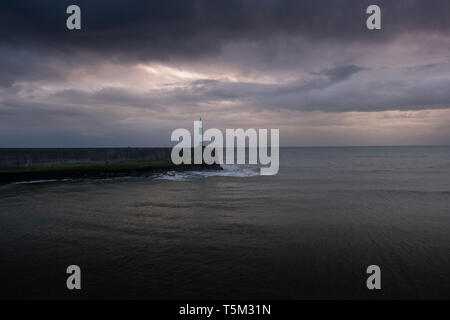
(91, 163)
(26, 157)
(96, 172)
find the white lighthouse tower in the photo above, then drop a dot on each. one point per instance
(198, 141)
(200, 132)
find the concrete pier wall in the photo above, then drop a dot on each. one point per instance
(23, 157)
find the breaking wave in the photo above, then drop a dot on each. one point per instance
(228, 171)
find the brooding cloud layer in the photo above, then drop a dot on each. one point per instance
(139, 69)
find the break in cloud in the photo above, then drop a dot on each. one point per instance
(139, 69)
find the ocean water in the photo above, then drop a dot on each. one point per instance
(309, 232)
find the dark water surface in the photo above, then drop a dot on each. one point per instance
(308, 232)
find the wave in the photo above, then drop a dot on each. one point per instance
(404, 192)
(42, 181)
(228, 171)
(416, 192)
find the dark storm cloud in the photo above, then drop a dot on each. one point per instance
(23, 64)
(35, 43)
(146, 30)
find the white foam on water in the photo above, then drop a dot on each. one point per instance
(41, 181)
(228, 171)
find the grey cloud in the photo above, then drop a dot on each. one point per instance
(372, 90)
(346, 88)
(341, 72)
(109, 96)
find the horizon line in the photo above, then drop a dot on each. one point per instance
(304, 146)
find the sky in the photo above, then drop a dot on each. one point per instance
(137, 70)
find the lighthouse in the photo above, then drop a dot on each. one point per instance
(198, 141)
(200, 132)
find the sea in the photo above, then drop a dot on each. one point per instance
(309, 232)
